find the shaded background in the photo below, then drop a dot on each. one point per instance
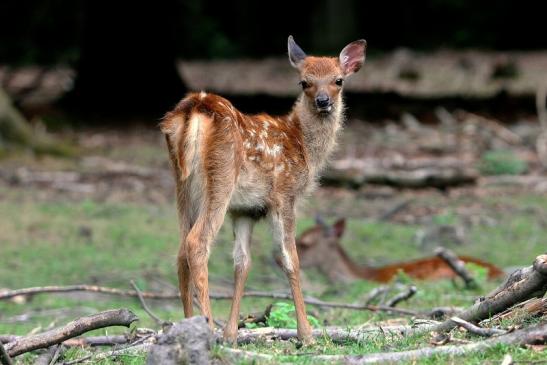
(124, 52)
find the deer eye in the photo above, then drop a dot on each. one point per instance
(304, 84)
(339, 82)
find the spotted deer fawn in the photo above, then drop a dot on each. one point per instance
(252, 166)
(323, 240)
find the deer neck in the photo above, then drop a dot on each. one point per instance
(319, 132)
(358, 271)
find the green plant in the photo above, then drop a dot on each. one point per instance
(282, 316)
(501, 162)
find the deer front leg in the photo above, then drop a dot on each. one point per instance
(283, 227)
(243, 227)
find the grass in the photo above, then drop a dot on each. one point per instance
(52, 241)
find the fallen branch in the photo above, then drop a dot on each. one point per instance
(402, 296)
(148, 311)
(532, 335)
(119, 317)
(7, 294)
(480, 331)
(457, 265)
(5, 358)
(521, 285)
(336, 334)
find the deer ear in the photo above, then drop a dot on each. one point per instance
(352, 56)
(339, 227)
(296, 55)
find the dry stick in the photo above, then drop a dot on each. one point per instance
(532, 335)
(521, 285)
(336, 334)
(5, 359)
(117, 317)
(402, 296)
(157, 319)
(7, 294)
(484, 332)
(56, 355)
(129, 350)
(245, 355)
(457, 265)
(49, 357)
(111, 340)
(256, 318)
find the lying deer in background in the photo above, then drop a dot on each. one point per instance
(252, 166)
(319, 246)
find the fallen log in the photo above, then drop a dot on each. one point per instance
(521, 285)
(119, 317)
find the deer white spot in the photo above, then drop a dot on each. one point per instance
(260, 147)
(276, 149)
(254, 158)
(247, 144)
(202, 95)
(263, 134)
(266, 124)
(279, 168)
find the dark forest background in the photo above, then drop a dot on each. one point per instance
(52, 31)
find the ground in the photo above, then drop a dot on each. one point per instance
(108, 217)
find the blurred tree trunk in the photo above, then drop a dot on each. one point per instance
(127, 62)
(334, 24)
(15, 131)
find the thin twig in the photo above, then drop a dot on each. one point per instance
(131, 349)
(218, 296)
(157, 319)
(219, 323)
(457, 265)
(56, 354)
(5, 359)
(402, 296)
(470, 327)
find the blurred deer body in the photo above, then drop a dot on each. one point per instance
(252, 166)
(320, 247)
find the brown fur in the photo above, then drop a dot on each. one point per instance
(319, 242)
(250, 166)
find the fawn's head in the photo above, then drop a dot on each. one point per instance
(319, 241)
(322, 78)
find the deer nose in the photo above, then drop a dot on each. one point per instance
(322, 100)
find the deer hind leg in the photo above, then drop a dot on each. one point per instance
(243, 227)
(283, 227)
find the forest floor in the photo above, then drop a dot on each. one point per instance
(108, 217)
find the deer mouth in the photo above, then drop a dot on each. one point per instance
(325, 110)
